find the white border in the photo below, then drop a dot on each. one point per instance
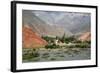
(37, 65)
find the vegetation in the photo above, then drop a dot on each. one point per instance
(49, 39)
(45, 55)
(67, 39)
(52, 46)
(53, 59)
(30, 54)
(74, 43)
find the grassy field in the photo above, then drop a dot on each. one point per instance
(43, 55)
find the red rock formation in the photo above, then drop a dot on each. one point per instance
(85, 37)
(31, 39)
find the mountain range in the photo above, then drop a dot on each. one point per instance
(50, 23)
(74, 22)
(56, 23)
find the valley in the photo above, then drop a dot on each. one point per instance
(55, 36)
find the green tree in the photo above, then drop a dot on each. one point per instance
(63, 38)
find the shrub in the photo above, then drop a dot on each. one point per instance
(53, 59)
(52, 46)
(68, 39)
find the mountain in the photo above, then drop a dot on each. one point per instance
(85, 36)
(31, 39)
(75, 22)
(42, 27)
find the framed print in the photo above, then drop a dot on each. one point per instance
(47, 36)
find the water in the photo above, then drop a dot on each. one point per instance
(60, 54)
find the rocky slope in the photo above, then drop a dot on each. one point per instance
(85, 36)
(31, 39)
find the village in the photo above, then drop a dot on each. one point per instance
(68, 42)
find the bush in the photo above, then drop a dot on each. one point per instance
(68, 39)
(82, 45)
(53, 59)
(77, 41)
(52, 46)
